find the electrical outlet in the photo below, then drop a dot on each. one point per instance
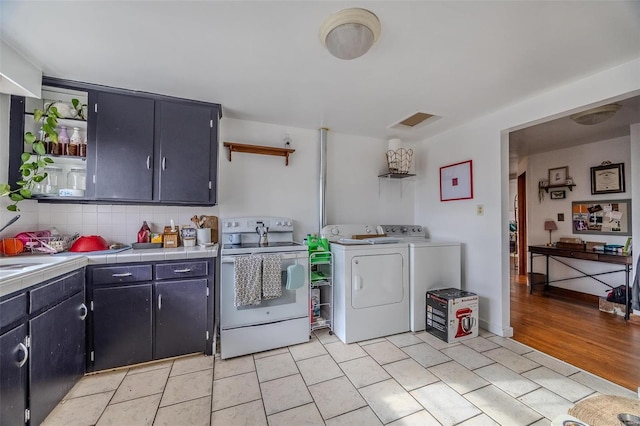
(480, 210)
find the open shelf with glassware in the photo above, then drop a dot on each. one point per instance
(67, 173)
(321, 291)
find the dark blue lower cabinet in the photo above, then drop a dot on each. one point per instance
(13, 376)
(57, 354)
(181, 317)
(122, 325)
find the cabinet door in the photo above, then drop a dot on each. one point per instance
(124, 147)
(57, 355)
(187, 156)
(13, 376)
(122, 325)
(181, 317)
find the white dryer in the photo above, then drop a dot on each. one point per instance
(432, 265)
(371, 283)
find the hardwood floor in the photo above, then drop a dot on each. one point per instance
(576, 332)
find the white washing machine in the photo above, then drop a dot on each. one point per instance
(371, 283)
(432, 265)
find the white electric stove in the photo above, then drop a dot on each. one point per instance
(275, 322)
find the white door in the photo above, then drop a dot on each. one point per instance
(376, 280)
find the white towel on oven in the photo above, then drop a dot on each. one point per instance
(247, 280)
(271, 276)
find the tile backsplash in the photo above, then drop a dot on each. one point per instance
(116, 223)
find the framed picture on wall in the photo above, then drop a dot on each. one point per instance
(607, 179)
(558, 176)
(604, 217)
(456, 181)
(558, 195)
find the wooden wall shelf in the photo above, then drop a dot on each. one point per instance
(259, 149)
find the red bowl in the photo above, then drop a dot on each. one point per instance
(90, 243)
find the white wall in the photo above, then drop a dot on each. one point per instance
(256, 184)
(485, 141)
(579, 162)
(248, 185)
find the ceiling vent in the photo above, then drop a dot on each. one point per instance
(414, 121)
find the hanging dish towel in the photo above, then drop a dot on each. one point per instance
(295, 277)
(271, 276)
(247, 280)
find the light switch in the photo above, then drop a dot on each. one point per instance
(480, 209)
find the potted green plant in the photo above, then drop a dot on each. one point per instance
(32, 167)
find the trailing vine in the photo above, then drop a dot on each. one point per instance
(32, 167)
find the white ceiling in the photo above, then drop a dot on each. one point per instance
(263, 60)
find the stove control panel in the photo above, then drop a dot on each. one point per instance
(248, 224)
(399, 231)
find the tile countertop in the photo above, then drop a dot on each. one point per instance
(45, 267)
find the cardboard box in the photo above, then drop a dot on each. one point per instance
(452, 314)
(611, 307)
(171, 238)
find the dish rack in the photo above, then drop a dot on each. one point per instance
(51, 244)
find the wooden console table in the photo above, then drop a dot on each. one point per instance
(596, 256)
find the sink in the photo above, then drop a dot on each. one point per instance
(15, 265)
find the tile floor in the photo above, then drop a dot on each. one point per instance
(405, 379)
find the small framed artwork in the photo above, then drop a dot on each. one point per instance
(558, 195)
(456, 181)
(558, 176)
(607, 179)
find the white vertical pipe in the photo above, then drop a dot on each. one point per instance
(322, 217)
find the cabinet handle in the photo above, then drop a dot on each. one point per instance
(84, 310)
(181, 271)
(159, 301)
(124, 274)
(23, 348)
(148, 162)
(164, 163)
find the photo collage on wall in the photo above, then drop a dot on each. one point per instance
(601, 217)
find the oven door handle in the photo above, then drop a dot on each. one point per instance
(231, 259)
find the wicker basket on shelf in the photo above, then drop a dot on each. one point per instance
(399, 161)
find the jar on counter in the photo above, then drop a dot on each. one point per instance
(77, 179)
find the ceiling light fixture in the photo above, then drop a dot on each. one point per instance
(596, 115)
(349, 33)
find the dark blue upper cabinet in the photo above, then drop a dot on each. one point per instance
(141, 147)
(124, 147)
(186, 152)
